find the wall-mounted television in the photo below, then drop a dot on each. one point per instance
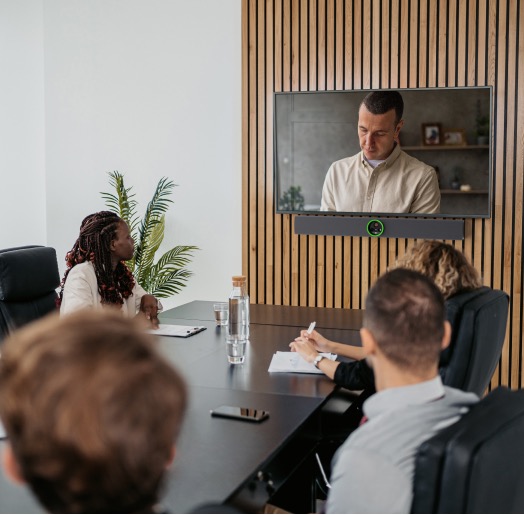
(448, 129)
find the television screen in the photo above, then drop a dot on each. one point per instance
(445, 143)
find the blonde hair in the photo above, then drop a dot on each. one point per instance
(444, 264)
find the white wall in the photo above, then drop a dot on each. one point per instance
(151, 88)
(22, 174)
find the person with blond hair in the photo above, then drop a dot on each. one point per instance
(446, 266)
(91, 411)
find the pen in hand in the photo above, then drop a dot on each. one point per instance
(311, 328)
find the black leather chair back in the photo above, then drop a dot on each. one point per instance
(479, 319)
(477, 464)
(28, 281)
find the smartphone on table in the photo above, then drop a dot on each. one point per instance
(236, 412)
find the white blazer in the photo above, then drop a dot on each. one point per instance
(81, 291)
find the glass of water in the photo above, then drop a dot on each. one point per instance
(236, 350)
(221, 312)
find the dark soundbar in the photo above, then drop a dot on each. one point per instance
(380, 227)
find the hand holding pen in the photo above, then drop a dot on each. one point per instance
(320, 343)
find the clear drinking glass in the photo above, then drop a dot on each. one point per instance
(236, 349)
(221, 310)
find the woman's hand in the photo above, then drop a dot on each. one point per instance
(322, 344)
(318, 341)
(149, 307)
(305, 348)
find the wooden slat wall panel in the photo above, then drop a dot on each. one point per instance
(311, 45)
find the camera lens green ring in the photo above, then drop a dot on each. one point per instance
(375, 228)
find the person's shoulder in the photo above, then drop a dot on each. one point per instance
(454, 395)
(82, 269)
(411, 163)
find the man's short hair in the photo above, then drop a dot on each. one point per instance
(91, 410)
(382, 101)
(405, 313)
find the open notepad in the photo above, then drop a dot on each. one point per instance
(181, 331)
(294, 362)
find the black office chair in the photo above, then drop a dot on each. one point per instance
(28, 281)
(477, 464)
(479, 320)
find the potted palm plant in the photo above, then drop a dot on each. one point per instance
(168, 275)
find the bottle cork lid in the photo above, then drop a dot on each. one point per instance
(239, 280)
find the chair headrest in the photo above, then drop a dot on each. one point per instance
(27, 273)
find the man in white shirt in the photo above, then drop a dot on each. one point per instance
(381, 178)
(404, 332)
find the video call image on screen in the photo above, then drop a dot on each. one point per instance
(449, 129)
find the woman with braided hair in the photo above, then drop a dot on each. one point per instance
(97, 275)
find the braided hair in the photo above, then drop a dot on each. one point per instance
(93, 245)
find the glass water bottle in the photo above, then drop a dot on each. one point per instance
(239, 310)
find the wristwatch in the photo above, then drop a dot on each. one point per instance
(317, 360)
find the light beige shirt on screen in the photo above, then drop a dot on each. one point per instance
(401, 184)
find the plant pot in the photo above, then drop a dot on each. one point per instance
(482, 140)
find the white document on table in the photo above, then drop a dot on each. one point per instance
(181, 331)
(294, 362)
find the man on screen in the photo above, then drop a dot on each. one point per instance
(381, 178)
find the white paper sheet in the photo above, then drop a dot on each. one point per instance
(294, 362)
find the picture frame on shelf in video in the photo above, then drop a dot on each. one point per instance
(455, 137)
(431, 134)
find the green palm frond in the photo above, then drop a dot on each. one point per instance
(156, 208)
(169, 275)
(172, 284)
(123, 202)
(149, 248)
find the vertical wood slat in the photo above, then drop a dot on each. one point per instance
(313, 85)
(245, 138)
(295, 86)
(519, 188)
(499, 233)
(508, 222)
(301, 45)
(366, 44)
(250, 183)
(279, 81)
(286, 219)
(304, 85)
(261, 182)
(268, 277)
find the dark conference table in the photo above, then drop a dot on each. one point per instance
(219, 460)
